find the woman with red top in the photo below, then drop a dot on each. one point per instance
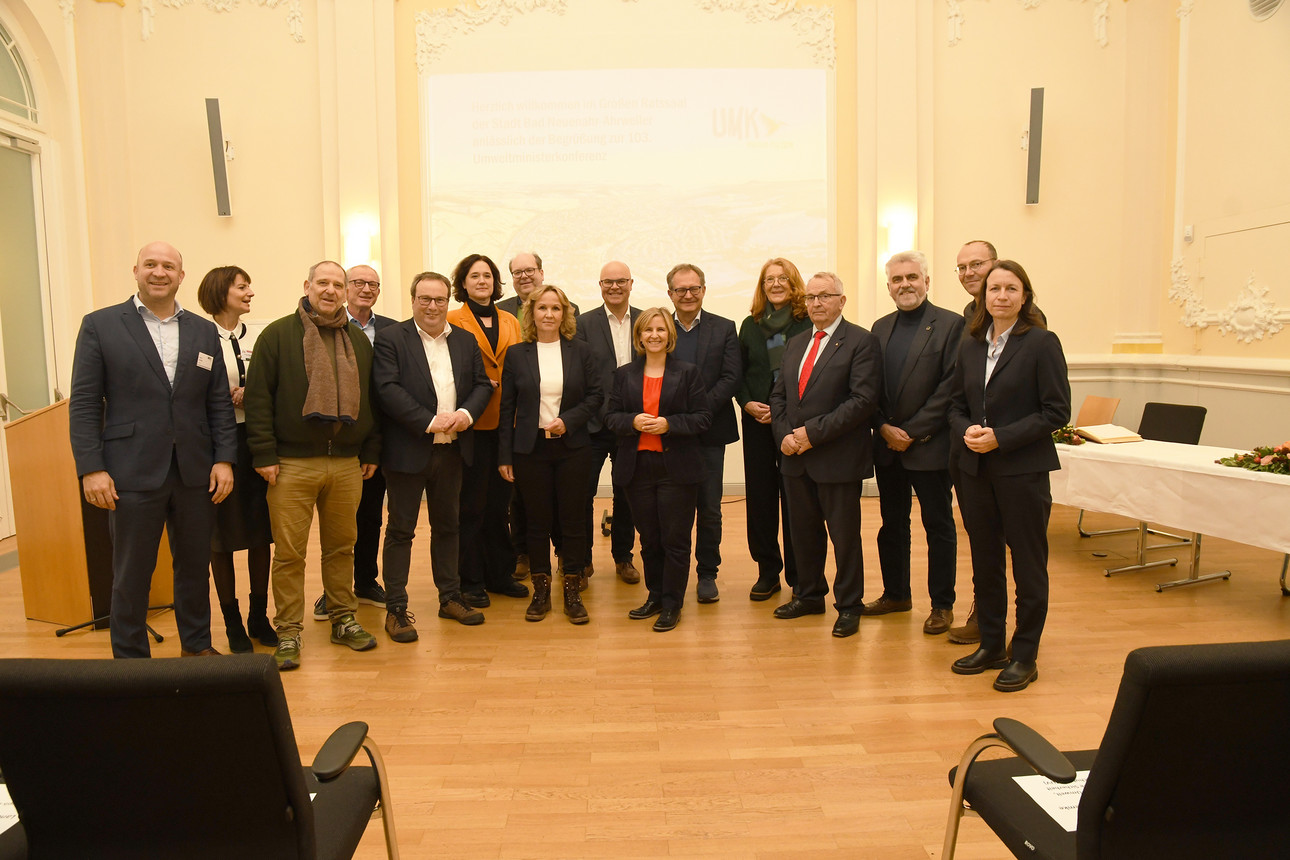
(658, 409)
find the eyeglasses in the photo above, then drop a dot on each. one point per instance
(362, 285)
(427, 301)
(820, 297)
(615, 282)
(975, 265)
(686, 291)
(772, 280)
(524, 273)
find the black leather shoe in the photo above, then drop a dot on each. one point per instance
(511, 589)
(978, 661)
(667, 619)
(797, 607)
(478, 599)
(1017, 676)
(848, 624)
(648, 609)
(764, 589)
(884, 605)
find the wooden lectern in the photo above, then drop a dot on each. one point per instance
(64, 548)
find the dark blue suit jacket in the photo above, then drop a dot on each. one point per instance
(593, 327)
(836, 407)
(406, 396)
(127, 420)
(721, 365)
(684, 404)
(580, 398)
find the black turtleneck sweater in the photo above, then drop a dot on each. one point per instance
(897, 349)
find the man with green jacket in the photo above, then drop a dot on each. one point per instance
(314, 438)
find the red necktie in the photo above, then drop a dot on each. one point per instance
(805, 375)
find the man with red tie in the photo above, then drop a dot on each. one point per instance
(820, 407)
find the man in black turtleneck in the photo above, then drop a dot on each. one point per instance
(911, 446)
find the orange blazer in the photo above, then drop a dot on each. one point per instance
(508, 332)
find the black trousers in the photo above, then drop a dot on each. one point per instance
(441, 484)
(935, 502)
(188, 517)
(554, 468)
(368, 544)
(623, 533)
(520, 521)
(766, 503)
(487, 557)
(664, 511)
(1011, 511)
(822, 512)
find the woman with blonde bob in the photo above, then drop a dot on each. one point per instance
(658, 409)
(778, 312)
(550, 390)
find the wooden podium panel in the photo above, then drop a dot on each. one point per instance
(64, 549)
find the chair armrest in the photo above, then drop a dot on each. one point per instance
(1035, 749)
(338, 751)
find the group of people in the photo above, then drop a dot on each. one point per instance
(502, 413)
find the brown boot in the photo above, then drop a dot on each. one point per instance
(969, 633)
(573, 599)
(541, 603)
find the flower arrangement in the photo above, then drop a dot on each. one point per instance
(1067, 436)
(1262, 459)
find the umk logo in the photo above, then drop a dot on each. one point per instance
(742, 123)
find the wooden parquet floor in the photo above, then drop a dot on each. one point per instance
(735, 735)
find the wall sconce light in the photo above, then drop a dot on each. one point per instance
(362, 241)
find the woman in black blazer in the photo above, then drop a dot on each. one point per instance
(658, 409)
(1010, 393)
(550, 389)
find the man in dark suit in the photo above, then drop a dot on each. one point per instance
(608, 330)
(154, 439)
(920, 344)
(821, 406)
(430, 382)
(710, 342)
(362, 288)
(975, 260)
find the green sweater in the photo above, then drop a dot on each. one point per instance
(276, 385)
(757, 376)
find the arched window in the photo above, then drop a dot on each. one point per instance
(16, 96)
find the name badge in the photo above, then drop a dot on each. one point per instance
(205, 361)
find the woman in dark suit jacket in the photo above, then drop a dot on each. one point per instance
(1010, 393)
(658, 409)
(550, 389)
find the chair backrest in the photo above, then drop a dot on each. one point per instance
(1172, 422)
(153, 758)
(1097, 410)
(1194, 760)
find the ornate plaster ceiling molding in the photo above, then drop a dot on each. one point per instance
(1249, 316)
(295, 14)
(436, 30)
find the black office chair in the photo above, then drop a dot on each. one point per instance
(1161, 422)
(1192, 765)
(177, 758)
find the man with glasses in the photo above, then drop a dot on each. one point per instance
(608, 330)
(975, 261)
(710, 342)
(920, 346)
(526, 276)
(362, 288)
(430, 381)
(821, 407)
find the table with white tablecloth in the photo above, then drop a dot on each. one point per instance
(1178, 486)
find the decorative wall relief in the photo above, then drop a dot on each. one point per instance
(295, 17)
(1249, 316)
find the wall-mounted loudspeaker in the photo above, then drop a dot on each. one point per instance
(214, 127)
(1035, 140)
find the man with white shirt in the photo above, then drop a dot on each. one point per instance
(821, 407)
(154, 437)
(430, 382)
(608, 330)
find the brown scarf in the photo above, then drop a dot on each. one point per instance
(333, 395)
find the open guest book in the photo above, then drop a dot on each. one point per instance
(1108, 434)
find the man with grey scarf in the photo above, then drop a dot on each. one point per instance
(314, 438)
